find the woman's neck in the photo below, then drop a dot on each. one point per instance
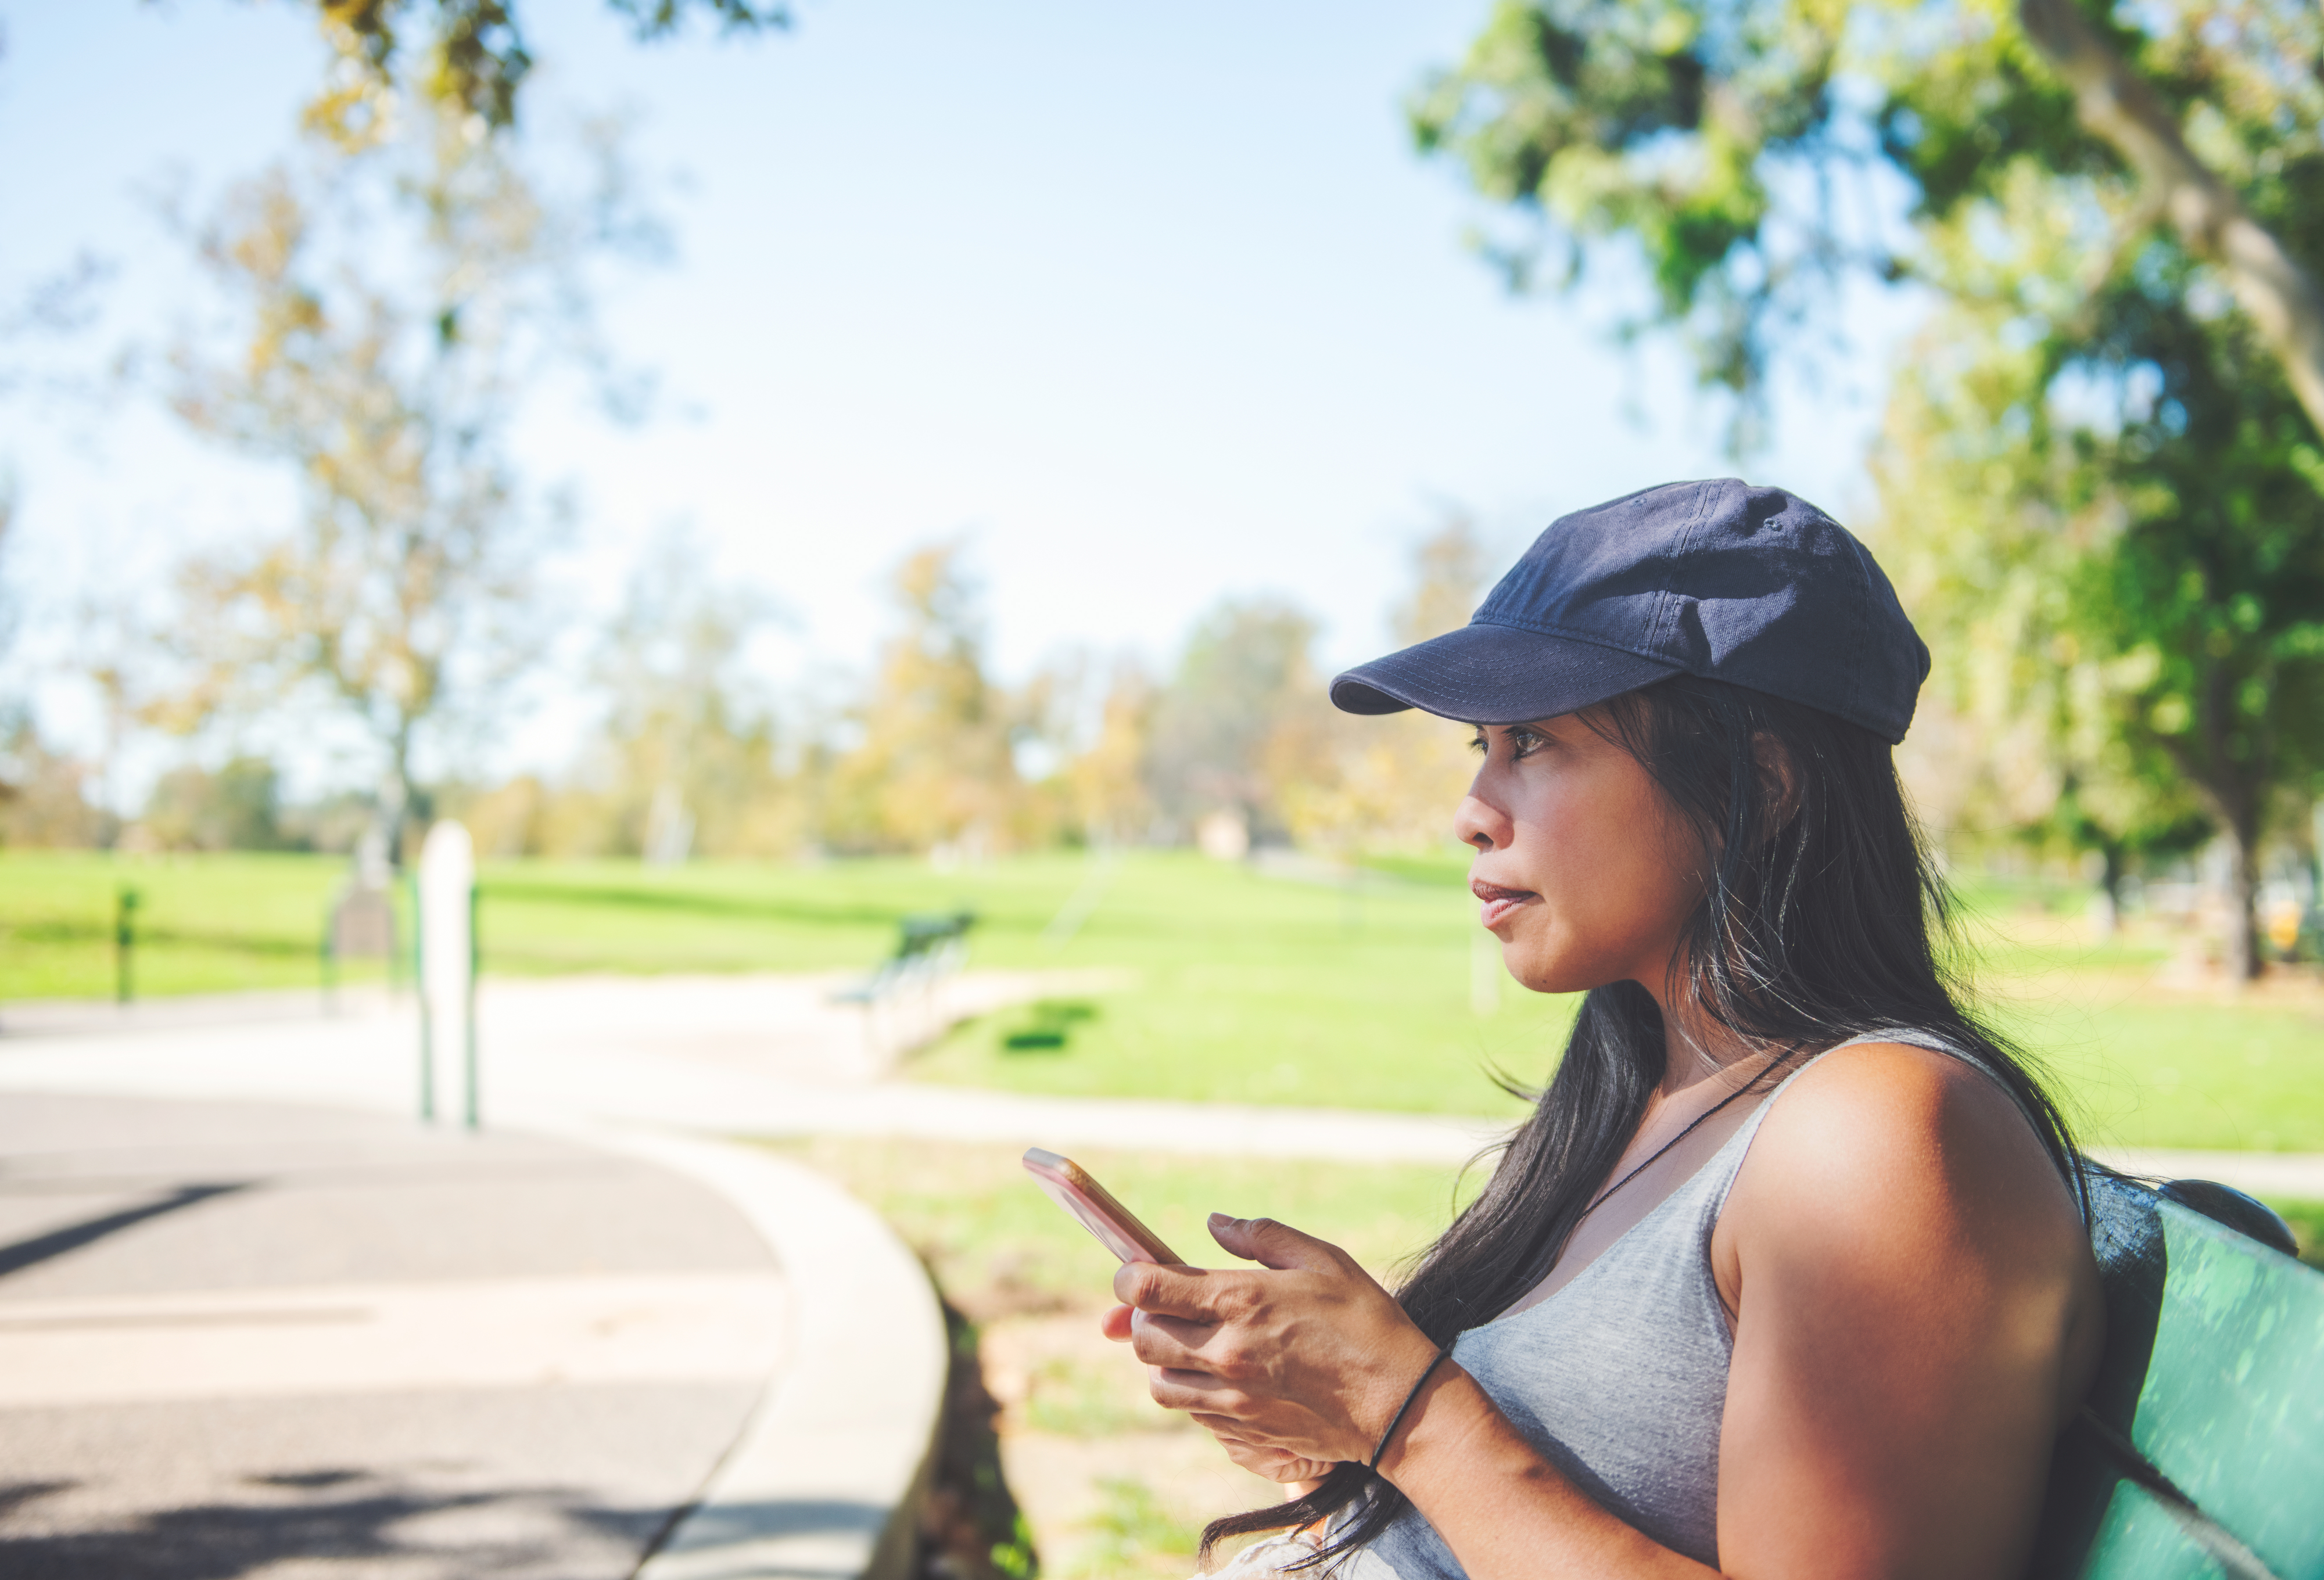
(1697, 1048)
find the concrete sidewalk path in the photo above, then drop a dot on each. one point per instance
(766, 1056)
(236, 1337)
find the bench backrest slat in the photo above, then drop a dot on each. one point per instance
(2231, 1410)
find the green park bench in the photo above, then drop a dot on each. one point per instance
(927, 946)
(2200, 1453)
(902, 1007)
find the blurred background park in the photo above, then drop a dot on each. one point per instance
(773, 470)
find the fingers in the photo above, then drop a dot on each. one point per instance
(1169, 1341)
(1115, 1323)
(1255, 1452)
(1198, 1393)
(1273, 1245)
(1171, 1292)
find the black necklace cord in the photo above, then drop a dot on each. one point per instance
(1653, 1156)
(1396, 1419)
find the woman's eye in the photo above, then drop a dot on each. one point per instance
(1479, 745)
(1523, 743)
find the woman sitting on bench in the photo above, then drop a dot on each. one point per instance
(1786, 1277)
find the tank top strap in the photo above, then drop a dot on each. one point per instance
(1713, 1182)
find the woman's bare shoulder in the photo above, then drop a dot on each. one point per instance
(1900, 1143)
(1874, 1112)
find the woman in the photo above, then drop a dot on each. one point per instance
(1786, 1275)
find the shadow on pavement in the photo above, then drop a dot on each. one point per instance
(30, 1253)
(358, 1524)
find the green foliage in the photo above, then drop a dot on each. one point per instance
(404, 598)
(1727, 143)
(1245, 706)
(969, 1523)
(1660, 123)
(1132, 1525)
(43, 794)
(237, 808)
(934, 765)
(2103, 453)
(691, 743)
(472, 54)
(2112, 515)
(2307, 1221)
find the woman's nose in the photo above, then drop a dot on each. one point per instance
(1479, 824)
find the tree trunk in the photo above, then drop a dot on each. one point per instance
(2284, 300)
(2110, 852)
(2235, 792)
(406, 818)
(2243, 904)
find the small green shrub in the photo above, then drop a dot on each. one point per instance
(1046, 1025)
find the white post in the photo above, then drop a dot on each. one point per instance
(448, 880)
(1485, 970)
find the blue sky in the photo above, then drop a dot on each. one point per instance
(1153, 305)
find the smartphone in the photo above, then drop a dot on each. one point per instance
(1117, 1228)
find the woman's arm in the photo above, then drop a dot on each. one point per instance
(1916, 1313)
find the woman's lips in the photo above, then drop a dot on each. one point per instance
(1498, 902)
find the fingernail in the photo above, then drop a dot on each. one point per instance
(1219, 1218)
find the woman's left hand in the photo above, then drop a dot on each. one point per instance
(1306, 1360)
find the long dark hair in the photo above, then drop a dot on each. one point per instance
(1823, 918)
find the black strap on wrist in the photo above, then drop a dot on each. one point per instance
(1396, 1419)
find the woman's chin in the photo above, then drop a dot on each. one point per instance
(1541, 971)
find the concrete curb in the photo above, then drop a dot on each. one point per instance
(825, 1481)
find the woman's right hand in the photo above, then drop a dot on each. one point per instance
(1288, 1469)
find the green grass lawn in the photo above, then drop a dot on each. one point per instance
(202, 924)
(1228, 985)
(994, 1240)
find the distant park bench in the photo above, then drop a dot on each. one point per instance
(900, 997)
(2200, 1453)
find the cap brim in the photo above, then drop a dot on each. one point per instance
(1495, 675)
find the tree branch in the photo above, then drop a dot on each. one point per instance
(2117, 105)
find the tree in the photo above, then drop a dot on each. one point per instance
(2143, 575)
(1395, 781)
(394, 307)
(696, 746)
(472, 56)
(934, 765)
(237, 808)
(1680, 125)
(1106, 780)
(2106, 445)
(1243, 718)
(54, 310)
(43, 796)
(9, 613)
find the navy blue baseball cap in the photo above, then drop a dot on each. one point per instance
(1718, 579)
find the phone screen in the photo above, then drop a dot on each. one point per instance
(1117, 1228)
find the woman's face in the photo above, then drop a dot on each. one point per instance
(1584, 875)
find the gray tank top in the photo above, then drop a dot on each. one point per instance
(1633, 1423)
